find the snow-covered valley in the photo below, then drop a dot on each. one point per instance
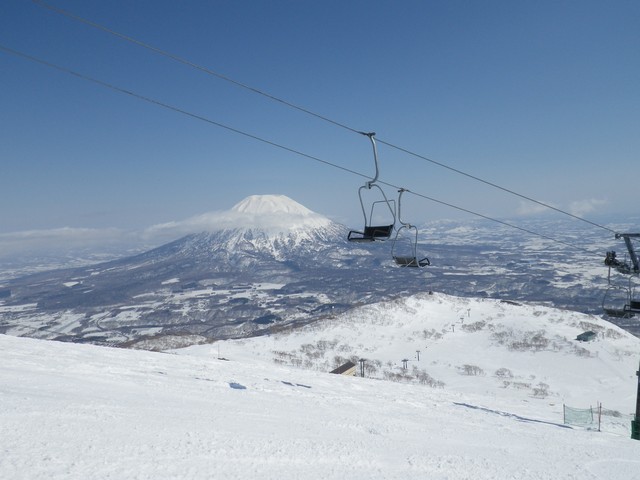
(269, 262)
(255, 408)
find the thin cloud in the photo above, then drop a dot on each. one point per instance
(577, 207)
(530, 208)
(205, 222)
(58, 239)
(583, 207)
(227, 220)
(271, 213)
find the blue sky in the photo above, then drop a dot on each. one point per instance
(540, 97)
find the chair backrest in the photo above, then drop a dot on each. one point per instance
(383, 231)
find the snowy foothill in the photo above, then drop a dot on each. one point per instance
(229, 411)
(502, 350)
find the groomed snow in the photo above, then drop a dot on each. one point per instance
(78, 411)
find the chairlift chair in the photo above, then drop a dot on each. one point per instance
(618, 305)
(632, 307)
(370, 232)
(407, 258)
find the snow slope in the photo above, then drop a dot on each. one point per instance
(526, 353)
(72, 411)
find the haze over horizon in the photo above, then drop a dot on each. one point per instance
(255, 211)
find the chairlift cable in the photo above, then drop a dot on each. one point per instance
(175, 109)
(486, 217)
(304, 110)
(491, 184)
(268, 142)
(190, 64)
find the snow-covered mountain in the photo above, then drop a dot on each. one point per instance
(270, 262)
(269, 259)
(272, 225)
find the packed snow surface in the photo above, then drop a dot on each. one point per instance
(72, 411)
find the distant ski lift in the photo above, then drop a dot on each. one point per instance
(405, 243)
(620, 301)
(380, 230)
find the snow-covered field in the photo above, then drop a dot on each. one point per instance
(72, 411)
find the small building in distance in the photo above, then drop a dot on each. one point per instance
(586, 336)
(348, 368)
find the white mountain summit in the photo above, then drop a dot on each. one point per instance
(269, 204)
(272, 224)
(275, 214)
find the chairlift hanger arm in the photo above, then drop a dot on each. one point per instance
(400, 192)
(369, 183)
(409, 258)
(632, 253)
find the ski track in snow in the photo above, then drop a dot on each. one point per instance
(79, 411)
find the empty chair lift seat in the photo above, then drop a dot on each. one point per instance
(371, 234)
